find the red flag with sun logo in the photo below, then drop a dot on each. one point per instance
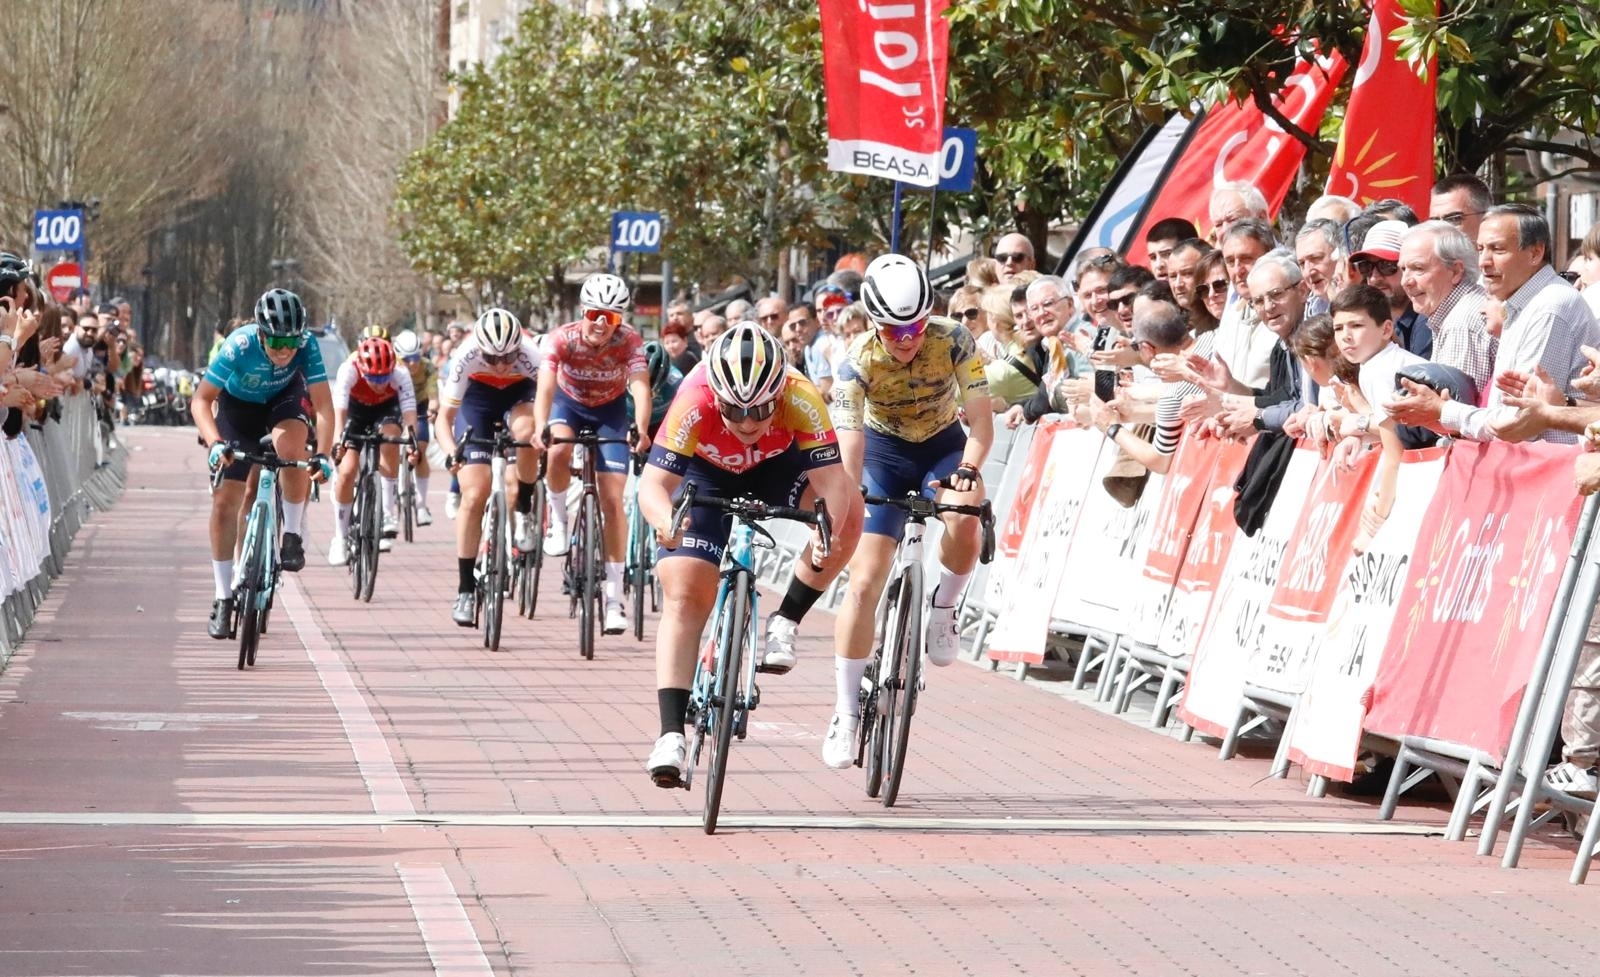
(1386, 148)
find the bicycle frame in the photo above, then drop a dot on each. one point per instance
(737, 559)
(263, 515)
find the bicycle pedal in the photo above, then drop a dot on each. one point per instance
(755, 697)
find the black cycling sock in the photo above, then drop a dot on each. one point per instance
(798, 600)
(674, 707)
(465, 584)
(524, 496)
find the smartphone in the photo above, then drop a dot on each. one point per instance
(1105, 381)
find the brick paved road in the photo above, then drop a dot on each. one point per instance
(383, 796)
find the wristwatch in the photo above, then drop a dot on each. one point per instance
(1111, 432)
(1364, 425)
(1257, 422)
(6, 339)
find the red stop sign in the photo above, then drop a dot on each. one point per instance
(64, 279)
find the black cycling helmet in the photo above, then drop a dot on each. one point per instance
(660, 363)
(279, 312)
(12, 270)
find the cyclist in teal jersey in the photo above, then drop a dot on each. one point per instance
(664, 382)
(255, 385)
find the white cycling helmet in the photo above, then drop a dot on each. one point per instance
(603, 291)
(745, 366)
(896, 291)
(407, 345)
(498, 332)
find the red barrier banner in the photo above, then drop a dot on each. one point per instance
(1308, 581)
(1078, 459)
(1183, 492)
(1013, 525)
(1325, 735)
(1235, 627)
(884, 68)
(1488, 561)
(1206, 555)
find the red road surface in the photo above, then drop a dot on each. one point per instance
(383, 796)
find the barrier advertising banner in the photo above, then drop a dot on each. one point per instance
(1325, 736)
(1235, 628)
(1308, 580)
(1183, 491)
(1074, 469)
(1206, 555)
(1107, 554)
(1487, 564)
(883, 68)
(1013, 519)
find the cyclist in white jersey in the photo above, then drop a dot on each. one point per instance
(370, 393)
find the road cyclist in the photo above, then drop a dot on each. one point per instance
(589, 370)
(744, 424)
(370, 394)
(898, 396)
(489, 382)
(425, 382)
(257, 385)
(641, 551)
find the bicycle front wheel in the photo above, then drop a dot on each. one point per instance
(371, 529)
(494, 572)
(408, 499)
(904, 675)
(589, 575)
(249, 595)
(533, 561)
(731, 634)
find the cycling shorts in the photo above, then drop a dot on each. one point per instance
(609, 420)
(894, 467)
(370, 417)
(422, 421)
(245, 422)
(780, 480)
(484, 409)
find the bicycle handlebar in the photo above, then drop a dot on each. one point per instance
(754, 510)
(920, 509)
(266, 459)
(369, 436)
(501, 441)
(589, 437)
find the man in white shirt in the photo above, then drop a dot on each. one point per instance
(1242, 341)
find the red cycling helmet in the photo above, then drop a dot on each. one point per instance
(375, 357)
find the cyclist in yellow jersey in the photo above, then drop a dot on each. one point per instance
(425, 381)
(898, 394)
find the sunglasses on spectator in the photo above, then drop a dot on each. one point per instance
(1218, 287)
(970, 314)
(500, 359)
(606, 316)
(733, 414)
(1366, 266)
(1011, 257)
(282, 342)
(1118, 301)
(901, 334)
(1570, 277)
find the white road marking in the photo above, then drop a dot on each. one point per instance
(1024, 825)
(152, 721)
(442, 919)
(373, 759)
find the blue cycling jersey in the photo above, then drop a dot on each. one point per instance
(243, 370)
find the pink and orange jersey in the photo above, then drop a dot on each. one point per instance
(593, 375)
(694, 428)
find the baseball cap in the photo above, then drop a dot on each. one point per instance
(1383, 241)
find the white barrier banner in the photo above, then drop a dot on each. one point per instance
(1004, 498)
(1076, 464)
(1106, 560)
(1325, 736)
(1235, 628)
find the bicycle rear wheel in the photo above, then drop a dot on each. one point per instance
(494, 572)
(901, 688)
(533, 560)
(731, 634)
(588, 575)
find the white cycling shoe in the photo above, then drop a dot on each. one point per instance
(943, 639)
(616, 619)
(667, 758)
(424, 517)
(336, 553)
(778, 657)
(839, 745)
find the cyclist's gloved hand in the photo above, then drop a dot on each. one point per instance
(338, 452)
(963, 479)
(221, 453)
(321, 467)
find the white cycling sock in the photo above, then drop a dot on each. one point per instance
(293, 514)
(950, 586)
(389, 488)
(847, 675)
(558, 512)
(613, 583)
(222, 575)
(422, 491)
(344, 518)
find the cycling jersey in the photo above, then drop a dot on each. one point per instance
(468, 367)
(694, 428)
(424, 379)
(349, 385)
(912, 401)
(593, 375)
(661, 398)
(242, 369)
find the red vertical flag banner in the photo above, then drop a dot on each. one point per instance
(884, 69)
(1237, 141)
(1386, 148)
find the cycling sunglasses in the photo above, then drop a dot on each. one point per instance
(500, 359)
(901, 334)
(378, 379)
(734, 414)
(606, 316)
(282, 342)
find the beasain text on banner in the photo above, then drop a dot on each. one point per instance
(884, 71)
